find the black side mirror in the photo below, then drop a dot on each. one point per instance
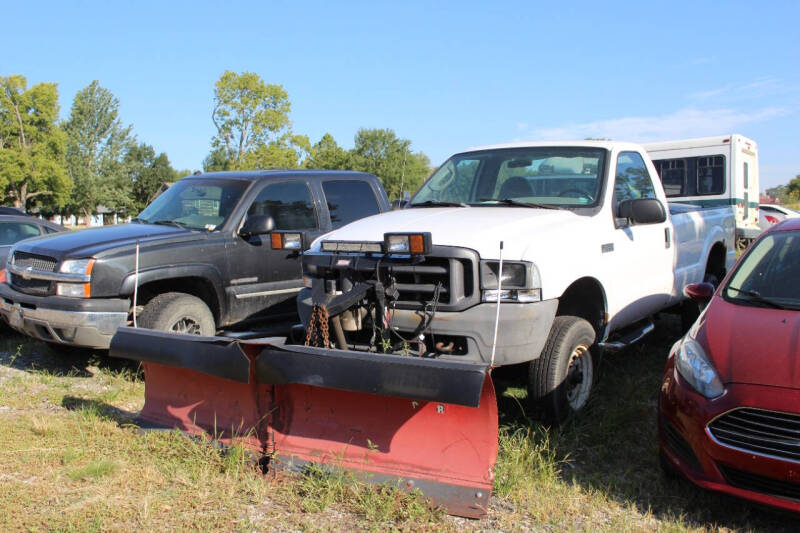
(642, 211)
(257, 225)
(399, 204)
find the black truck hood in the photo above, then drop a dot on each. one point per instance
(96, 242)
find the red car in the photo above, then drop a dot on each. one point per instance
(729, 407)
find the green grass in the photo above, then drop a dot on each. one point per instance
(70, 459)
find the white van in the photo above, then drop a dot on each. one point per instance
(712, 171)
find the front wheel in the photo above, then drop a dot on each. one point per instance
(560, 380)
(178, 312)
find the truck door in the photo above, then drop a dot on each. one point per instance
(644, 251)
(264, 282)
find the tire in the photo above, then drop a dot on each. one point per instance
(560, 380)
(178, 312)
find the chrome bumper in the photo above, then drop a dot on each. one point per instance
(78, 328)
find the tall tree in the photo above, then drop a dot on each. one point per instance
(96, 146)
(253, 127)
(32, 148)
(327, 154)
(147, 172)
(382, 153)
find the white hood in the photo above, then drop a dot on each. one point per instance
(478, 228)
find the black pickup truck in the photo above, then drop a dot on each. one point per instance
(196, 260)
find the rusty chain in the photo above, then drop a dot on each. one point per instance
(318, 332)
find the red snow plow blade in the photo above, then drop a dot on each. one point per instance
(411, 422)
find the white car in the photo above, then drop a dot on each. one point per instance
(778, 211)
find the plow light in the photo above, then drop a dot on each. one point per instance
(407, 243)
(352, 246)
(287, 241)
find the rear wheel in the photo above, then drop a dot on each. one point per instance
(178, 312)
(560, 380)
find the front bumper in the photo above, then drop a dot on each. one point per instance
(72, 321)
(689, 446)
(521, 334)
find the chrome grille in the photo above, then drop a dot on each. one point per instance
(37, 262)
(768, 433)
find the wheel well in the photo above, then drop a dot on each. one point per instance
(195, 286)
(716, 261)
(585, 298)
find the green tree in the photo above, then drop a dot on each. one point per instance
(253, 127)
(327, 154)
(147, 173)
(779, 192)
(381, 152)
(793, 189)
(286, 152)
(97, 143)
(32, 148)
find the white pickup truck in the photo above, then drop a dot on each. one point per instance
(589, 253)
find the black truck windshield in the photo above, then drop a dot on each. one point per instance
(201, 204)
(543, 176)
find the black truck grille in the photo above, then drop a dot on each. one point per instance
(762, 484)
(37, 262)
(36, 287)
(769, 433)
(451, 271)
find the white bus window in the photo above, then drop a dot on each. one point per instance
(711, 175)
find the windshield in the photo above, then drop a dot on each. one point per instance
(770, 274)
(553, 176)
(196, 204)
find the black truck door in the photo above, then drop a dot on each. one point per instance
(264, 282)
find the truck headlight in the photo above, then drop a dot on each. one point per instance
(520, 282)
(77, 266)
(693, 366)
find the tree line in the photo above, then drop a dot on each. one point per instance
(786, 194)
(93, 159)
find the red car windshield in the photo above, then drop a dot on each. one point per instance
(769, 276)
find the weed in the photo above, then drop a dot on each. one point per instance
(93, 470)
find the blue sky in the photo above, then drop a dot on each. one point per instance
(446, 75)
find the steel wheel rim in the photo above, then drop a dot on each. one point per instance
(579, 376)
(187, 326)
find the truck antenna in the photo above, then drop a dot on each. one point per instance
(135, 282)
(497, 313)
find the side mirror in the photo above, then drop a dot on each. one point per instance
(399, 204)
(257, 225)
(642, 211)
(699, 292)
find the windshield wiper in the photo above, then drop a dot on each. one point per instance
(137, 220)
(434, 203)
(170, 223)
(518, 203)
(756, 297)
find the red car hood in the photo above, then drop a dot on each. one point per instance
(754, 345)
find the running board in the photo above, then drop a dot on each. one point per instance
(631, 337)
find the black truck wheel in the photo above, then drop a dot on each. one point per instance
(560, 380)
(178, 312)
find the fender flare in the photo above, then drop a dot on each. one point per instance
(205, 272)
